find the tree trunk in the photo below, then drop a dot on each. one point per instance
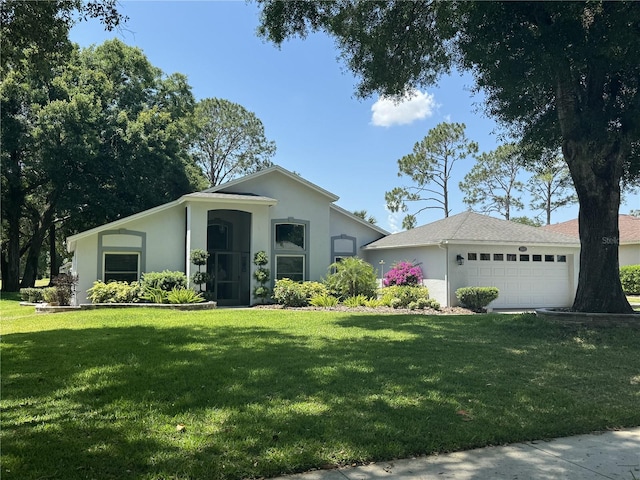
(596, 175)
(53, 257)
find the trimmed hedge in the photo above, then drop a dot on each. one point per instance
(165, 280)
(32, 295)
(630, 279)
(295, 294)
(477, 298)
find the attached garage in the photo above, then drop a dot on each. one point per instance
(535, 280)
(530, 267)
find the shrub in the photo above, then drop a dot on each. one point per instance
(630, 279)
(32, 295)
(155, 294)
(477, 298)
(400, 296)
(374, 303)
(199, 258)
(289, 293)
(351, 277)
(184, 295)
(50, 294)
(403, 273)
(295, 294)
(115, 292)
(357, 301)
(261, 275)
(324, 300)
(165, 280)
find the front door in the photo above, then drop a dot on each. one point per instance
(227, 278)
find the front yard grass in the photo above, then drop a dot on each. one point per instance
(231, 394)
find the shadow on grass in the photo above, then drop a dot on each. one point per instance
(260, 401)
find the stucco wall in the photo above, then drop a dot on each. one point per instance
(629, 254)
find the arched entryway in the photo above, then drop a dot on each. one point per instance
(229, 247)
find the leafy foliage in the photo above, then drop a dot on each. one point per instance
(401, 296)
(115, 292)
(166, 280)
(630, 279)
(350, 277)
(32, 295)
(492, 185)
(229, 141)
(355, 301)
(297, 294)
(181, 295)
(323, 300)
(403, 273)
(429, 167)
(551, 186)
(155, 294)
(476, 298)
(262, 275)
(199, 258)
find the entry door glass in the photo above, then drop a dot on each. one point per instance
(227, 276)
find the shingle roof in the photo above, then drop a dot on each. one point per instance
(629, 228)
(471, 227)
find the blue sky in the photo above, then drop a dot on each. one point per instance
(304, 96)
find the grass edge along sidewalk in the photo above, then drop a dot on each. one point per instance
(233, 394)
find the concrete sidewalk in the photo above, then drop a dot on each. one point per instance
(612, 455)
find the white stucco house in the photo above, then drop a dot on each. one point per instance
(629, 242)
(531, 267)
(296, 222)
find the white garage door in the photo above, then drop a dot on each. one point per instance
(524, 280)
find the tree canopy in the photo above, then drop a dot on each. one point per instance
(429, 167)
(492, 185)
(84, 146)
(556, 74)
(229, 141)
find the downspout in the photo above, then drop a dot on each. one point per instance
(446, 270)
(187, 244)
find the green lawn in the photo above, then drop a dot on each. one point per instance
(263, 392)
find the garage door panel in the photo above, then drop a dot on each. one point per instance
(524, 284)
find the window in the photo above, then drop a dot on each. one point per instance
(485, 256)
(290, 236)
(472, 256)
(290, 266)
(549, 258)
(121, 267)
(562, 258)
(498, 257)
(511, 257)
(524, 258)
(290, 249)
(537, 258)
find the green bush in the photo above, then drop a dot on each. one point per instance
(115, 292)
(477, 298)
(289, 293)
(630, 279)
(155, 295)
(32, 295)
(357, 301)
(324, 300)
(295, 294)
(184, 295)
(400, 296)
(350, 277)
(165, 280)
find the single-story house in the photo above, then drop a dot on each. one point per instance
(296, 222)
(629, 246)
(531, 267)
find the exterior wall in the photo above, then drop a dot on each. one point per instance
(432, 260)
(298, 202)
(163, 248)
(341, 224)
(629, 254)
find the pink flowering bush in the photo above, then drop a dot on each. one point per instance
(403, 273)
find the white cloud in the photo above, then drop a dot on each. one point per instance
(388, 111)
